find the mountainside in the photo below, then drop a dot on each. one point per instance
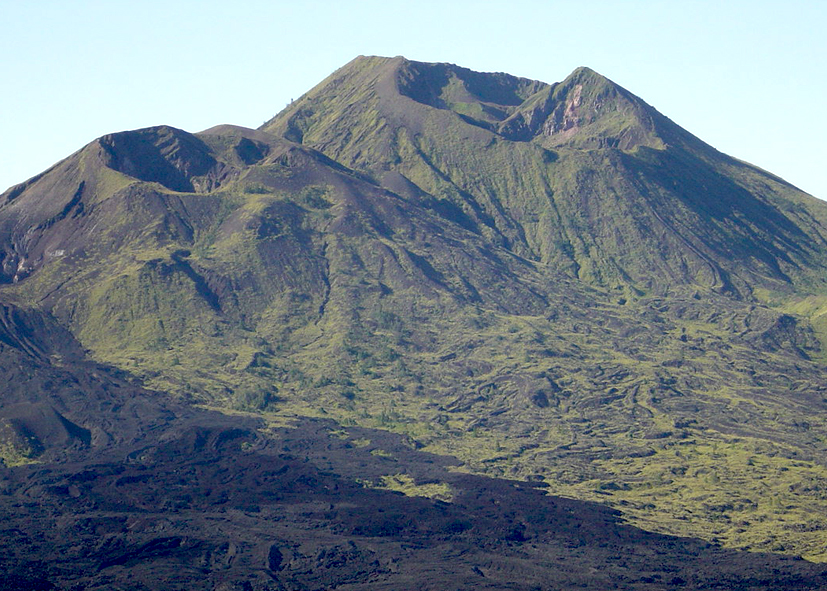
(579, 176)
(550, 282)
(50, 390)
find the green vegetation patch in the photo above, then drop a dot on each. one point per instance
(405, 484)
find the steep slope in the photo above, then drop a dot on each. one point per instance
(551, 282)
(591, 180)
(57, 404)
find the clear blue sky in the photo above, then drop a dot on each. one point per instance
(748, 77)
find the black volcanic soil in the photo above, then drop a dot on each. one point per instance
(219, 506)
(133, 491)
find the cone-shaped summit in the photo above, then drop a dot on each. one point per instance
(581, 176)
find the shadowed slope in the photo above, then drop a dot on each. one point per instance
(222, 507)
(58, 404)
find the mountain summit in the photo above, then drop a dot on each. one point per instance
(551, 282)
(585, 105)
(670, 210)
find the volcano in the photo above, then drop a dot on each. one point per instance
(318, 353)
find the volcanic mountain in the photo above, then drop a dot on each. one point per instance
(550, 282)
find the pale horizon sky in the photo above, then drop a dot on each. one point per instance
(746, 77)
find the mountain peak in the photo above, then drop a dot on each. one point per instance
(588, 110)
(586, 73)
(585, 110)
(438, 125)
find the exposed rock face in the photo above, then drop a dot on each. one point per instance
(565, 119)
